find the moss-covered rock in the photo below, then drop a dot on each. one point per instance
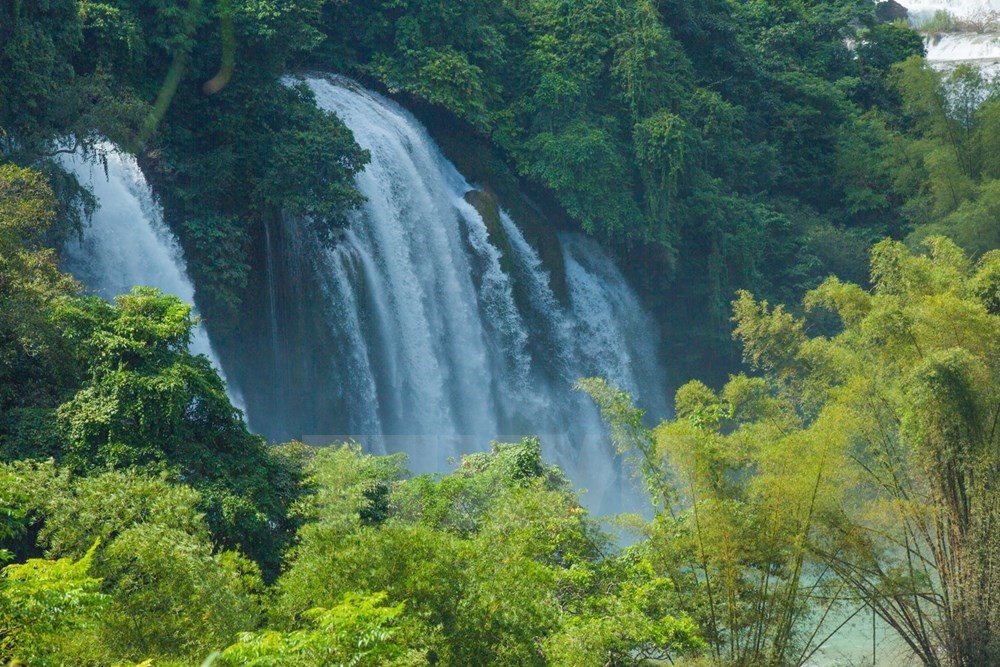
(486, 205)
(482, 164)
(891, 11)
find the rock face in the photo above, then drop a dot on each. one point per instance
(486, 205)
(540, 233)
(535, 230)
(477, 161)
(891, 11)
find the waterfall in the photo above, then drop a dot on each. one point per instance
(417, 333)
(982, 50)
(945, 51)
(923, 10)
(126, 243)
(422, 329)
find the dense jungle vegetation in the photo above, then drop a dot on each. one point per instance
(735, 154)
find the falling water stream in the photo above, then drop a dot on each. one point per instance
(947, 50)
(922, 10)
(126, 243)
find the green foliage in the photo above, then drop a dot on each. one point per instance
(36, 362)
(299, 176)
(73, 511)
(770, 336)
(360, 631)
(101, 386)
(743, 495)
(857, 468)
(973, 224)
(190, 600)
(38, 84)
(154, 561)
(627, 618)
(489, 561)
(27, 209)
(582, 164)
(899, 398)
(933, 166)
(222, 245)
(148, 396)
(440, 52)
(880, 47)
(45, 606)
(497, 563)
(148, 402)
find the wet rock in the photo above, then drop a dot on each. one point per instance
(486, 205)
(891, 11)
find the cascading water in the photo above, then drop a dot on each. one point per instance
(981, 50)
(416, 333)
(945, 51)
(922, 10)
(126, 242)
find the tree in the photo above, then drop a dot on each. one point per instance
(917, 378)
(45, 607)
(496, 563)
(37, 364)
(623, 614)
(166, 591)
(99, 385)
(147, 401)
(860, 462)
(361, 630)
(741, 492)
